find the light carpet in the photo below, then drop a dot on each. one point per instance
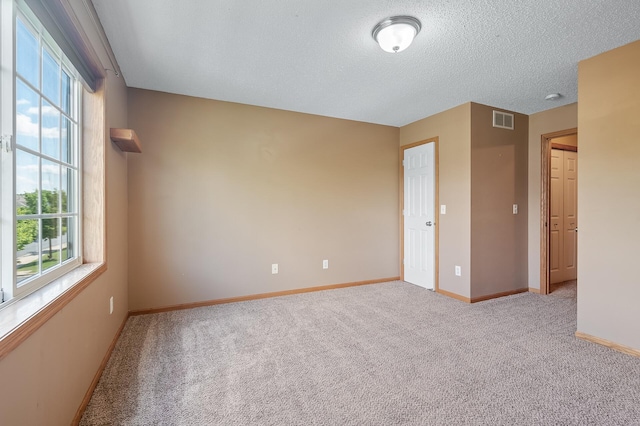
(383, 354)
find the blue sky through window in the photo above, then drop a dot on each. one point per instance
(50, 130)
(27, 54)
(66, 93)
(50, 77)
(27, 116)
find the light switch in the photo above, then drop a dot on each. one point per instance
(443, 209)
(515, 209)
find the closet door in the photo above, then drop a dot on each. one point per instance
(556, 231)
(570, 211)
(564, 215)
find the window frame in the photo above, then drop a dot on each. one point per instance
(24, 316)
(12, 289)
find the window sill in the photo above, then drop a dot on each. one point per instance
(20, 319)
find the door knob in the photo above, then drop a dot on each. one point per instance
(428, 223)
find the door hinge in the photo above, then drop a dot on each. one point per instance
(6, 143)
(402, 163)
(403, 261)
(404, 212)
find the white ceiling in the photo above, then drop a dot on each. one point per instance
(318, 57)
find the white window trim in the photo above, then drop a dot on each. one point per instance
(7, 120)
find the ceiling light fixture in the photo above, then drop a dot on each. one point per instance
(396, 33)
(553, 97)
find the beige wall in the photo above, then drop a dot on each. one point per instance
(553, 120)
(223, 190)
(45, 378)
(608, 195)
(453, 127)
(498, 180)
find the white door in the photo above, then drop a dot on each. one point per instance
(419, 215)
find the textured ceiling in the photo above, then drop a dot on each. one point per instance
(318, 57)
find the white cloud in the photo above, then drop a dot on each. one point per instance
(33, 168)
(23, 102)
(25, 184)
(46, 110)
(27, 177)
(23, 170)
(27, 127)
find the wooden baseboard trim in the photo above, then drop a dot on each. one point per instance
(534, 290)
(453, 295)
(615, 346)
(96, 378)
(258, 296)
(487, 297)
(496, 295)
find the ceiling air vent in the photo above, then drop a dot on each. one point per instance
(504, 120)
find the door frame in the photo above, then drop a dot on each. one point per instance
(435, 140)
(545, 195)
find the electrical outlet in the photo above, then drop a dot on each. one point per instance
(458, 271)
(110, 305)
(325, 264)
(274, 268)
(515, 209)
(443, 209)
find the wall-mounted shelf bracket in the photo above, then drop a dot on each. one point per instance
(126, 140)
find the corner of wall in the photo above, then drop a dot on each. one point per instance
(498, 182)
(608, 289)
(453, 129)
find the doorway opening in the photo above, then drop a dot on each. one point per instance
(558, 216)
(419, 218)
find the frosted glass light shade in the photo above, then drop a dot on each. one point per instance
(395, 34)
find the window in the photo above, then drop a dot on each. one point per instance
(40, 180)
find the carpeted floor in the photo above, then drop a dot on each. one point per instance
(383, 354)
